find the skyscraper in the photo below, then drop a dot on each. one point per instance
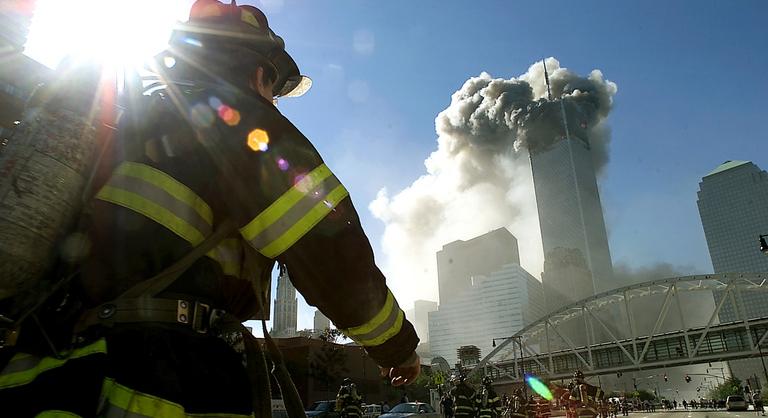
(570, 213)
(420, 318)
(458, 261)
(286, 306)
(321, 321)
(733, 205)
(494, 306)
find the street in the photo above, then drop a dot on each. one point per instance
(681, 413)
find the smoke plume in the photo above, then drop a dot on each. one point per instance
(479, 177)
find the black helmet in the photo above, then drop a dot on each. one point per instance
(346, 381)
(242, 34)
(487, 380)
(578, 374)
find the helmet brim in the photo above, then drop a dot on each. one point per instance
(290, 82)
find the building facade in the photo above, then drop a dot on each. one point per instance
(286, 307)
(733, 205)
(495, 306)
(458, 261)
(19, 74)
(321, 321)
(570, 212)
(419, 317)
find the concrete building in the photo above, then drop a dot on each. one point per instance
(733, 205)
(570, 213)
(458, 261)
(494, 306)
(419, 317)
(286, 307)
(19, 74)
(321, 321)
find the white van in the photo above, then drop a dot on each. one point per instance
(371, 411)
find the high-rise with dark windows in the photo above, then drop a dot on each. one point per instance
(733, 205)
(571, 221)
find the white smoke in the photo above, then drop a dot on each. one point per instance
(479, 178)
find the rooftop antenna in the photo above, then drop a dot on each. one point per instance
(546, 77)
(562, 105)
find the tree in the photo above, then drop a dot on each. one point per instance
(328, 365)
(643, 395)
(732, 386)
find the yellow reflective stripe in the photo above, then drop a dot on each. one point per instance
(119, 400)
(56, 413)
(383, 326)
(377, 320)
(152, 211)
(299, 229)
(22, 377)
(278, 208)
(169, 184)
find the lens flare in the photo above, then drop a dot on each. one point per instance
(229, 115)
(539, 387)
(258, 140)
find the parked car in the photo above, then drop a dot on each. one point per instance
(324, 409)
(735, 403)
(411, 409)
(371, 411)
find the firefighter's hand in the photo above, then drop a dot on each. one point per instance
(405, 373)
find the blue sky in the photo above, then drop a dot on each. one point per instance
(691, 94)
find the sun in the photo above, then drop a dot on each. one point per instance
(117, 33)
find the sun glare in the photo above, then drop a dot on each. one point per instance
(119, 33)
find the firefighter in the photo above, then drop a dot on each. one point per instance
(207, 154)
(463, 397)
(487, 401)
(518, 404)
(348, 401)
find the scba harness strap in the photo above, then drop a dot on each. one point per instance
(187, 313)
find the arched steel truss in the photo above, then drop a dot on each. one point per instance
(621, 348)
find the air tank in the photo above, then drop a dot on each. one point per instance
(44, 167)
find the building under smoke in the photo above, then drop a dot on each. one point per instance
(286, 306)
(577, 261)
(492, 138)
(460, 260)
(494, 306)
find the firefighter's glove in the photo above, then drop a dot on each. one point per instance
(404, 374)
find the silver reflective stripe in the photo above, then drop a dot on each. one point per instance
(383, 327)
(164, 199)
(295, 213)
(113, 411)
(21, 364)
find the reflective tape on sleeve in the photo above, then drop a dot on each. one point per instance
(383, 326)
(295, 213)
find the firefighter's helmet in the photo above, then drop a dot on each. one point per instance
(578, 375)
(346, 382)
(487, 380)
(242, 34)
